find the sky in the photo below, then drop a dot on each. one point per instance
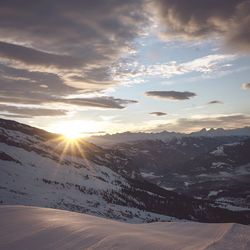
(96, 67)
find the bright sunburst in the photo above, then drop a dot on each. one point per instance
(75, 129)
(72, 135)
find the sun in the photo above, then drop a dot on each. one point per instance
(75, 129)
(71, 135)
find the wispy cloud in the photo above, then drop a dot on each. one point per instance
(135, 72)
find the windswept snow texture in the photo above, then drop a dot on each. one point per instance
(43, 228)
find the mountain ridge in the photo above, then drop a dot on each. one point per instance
(112, 139)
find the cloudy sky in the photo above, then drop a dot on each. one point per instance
(99, 66)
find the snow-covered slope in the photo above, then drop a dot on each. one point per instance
(40, 169)
(40, 228)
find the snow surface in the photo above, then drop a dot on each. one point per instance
(228, 203)
(150, 175)
(42, 228)
(214, 193)
(219, 164)
(218, 152)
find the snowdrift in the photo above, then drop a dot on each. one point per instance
(43, 228)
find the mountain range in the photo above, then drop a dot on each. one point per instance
(111, 139)
(214, 169)
(42, 169)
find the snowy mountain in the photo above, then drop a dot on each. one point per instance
(126, 137)
(216, 169)
(222, 132)
(43, 228)
(41, 169)
(109, 140)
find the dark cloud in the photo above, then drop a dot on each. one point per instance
(99, 102)
(105, 102)
(158, 113)
(35, 57)
(246, 85)
(28, 112)
(16, 81)
(172, 95)
(32, 87)
(215, 102)
(194, 124)
(199, 19)
(61, 22)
